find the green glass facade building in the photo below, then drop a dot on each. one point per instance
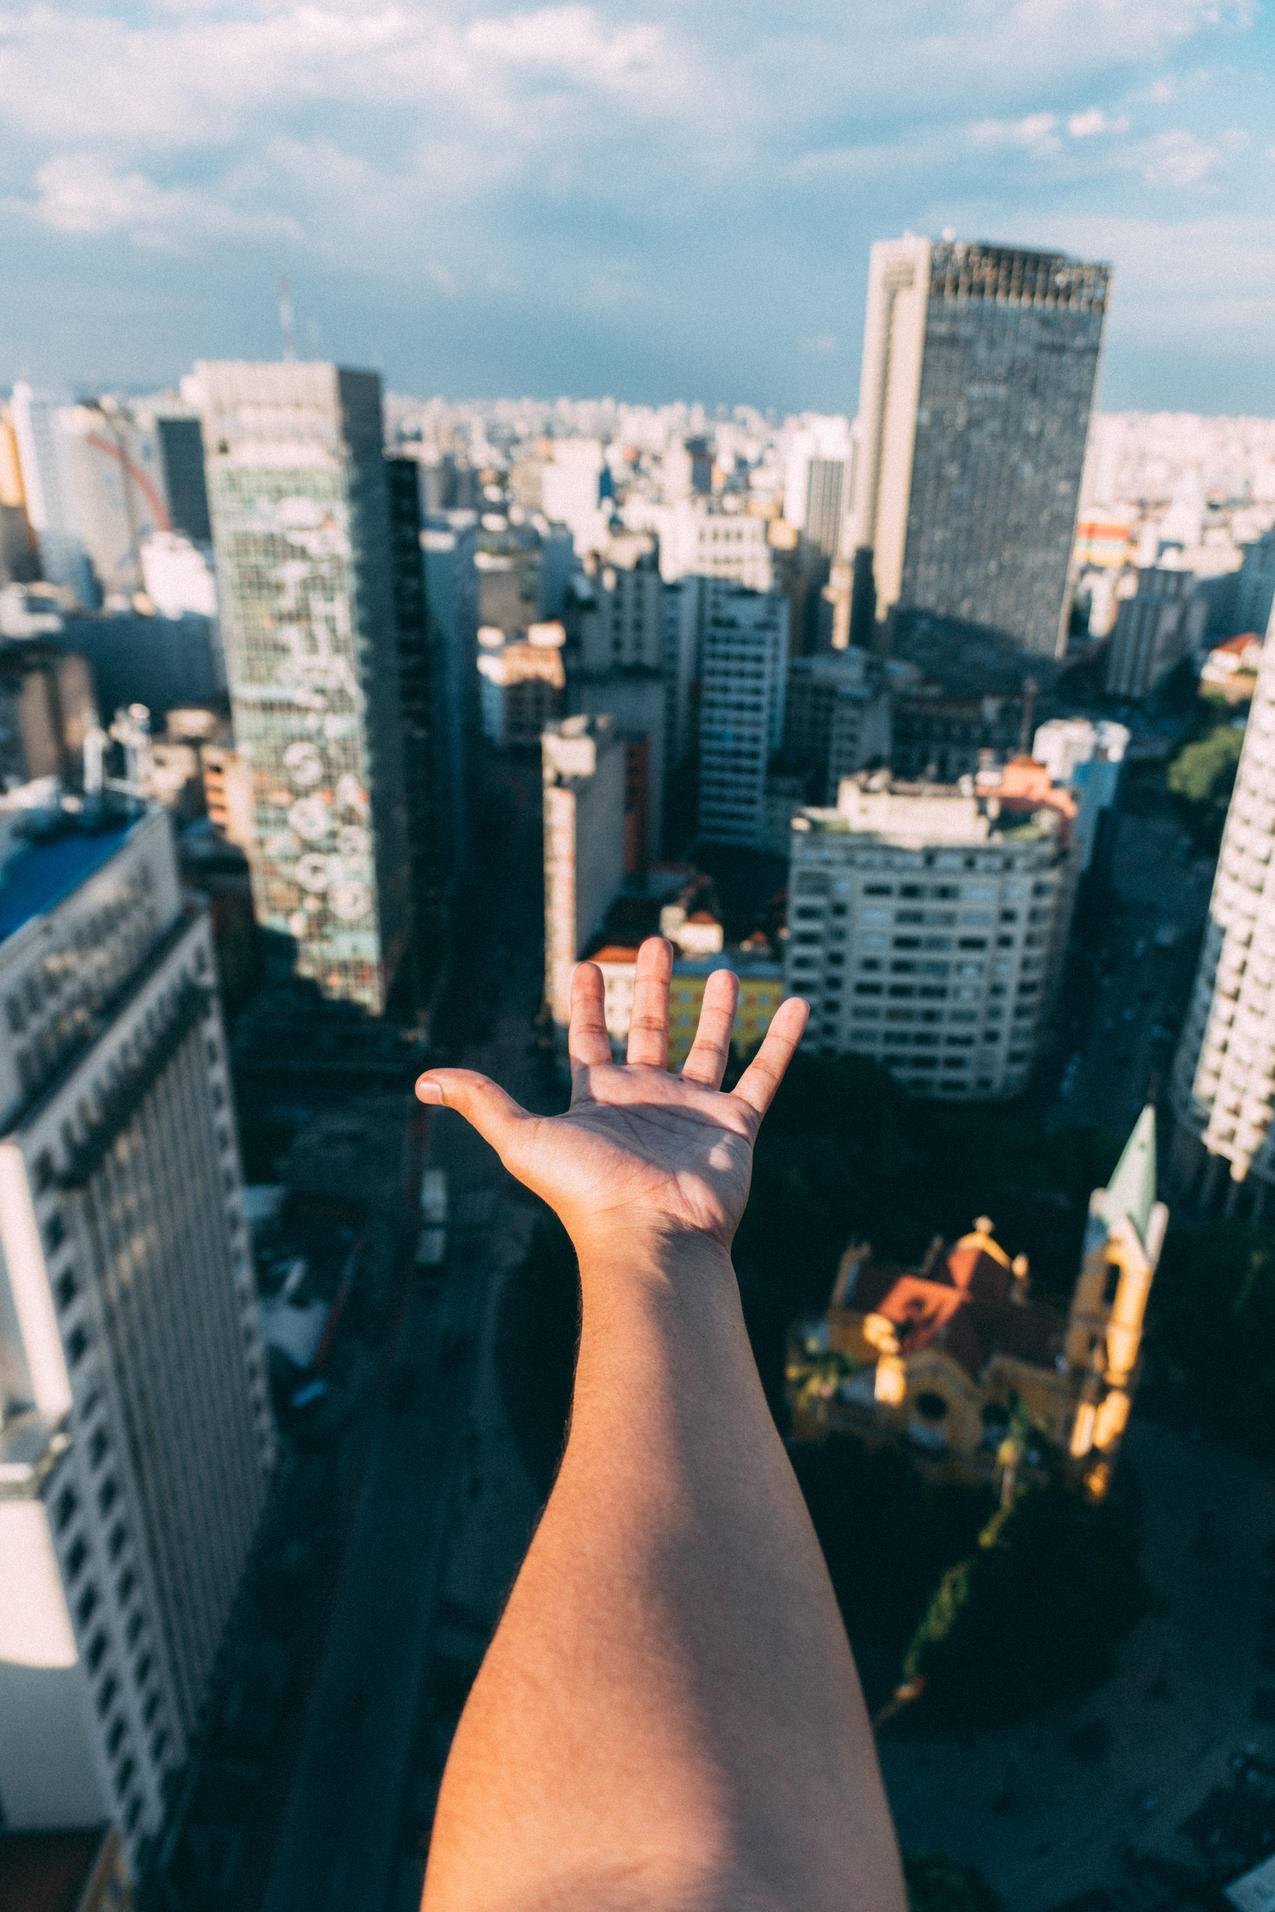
(302, 531)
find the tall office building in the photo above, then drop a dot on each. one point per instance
(743, 674)
(426, 790)
(1156, 627)
(302, 532)
(617, 668)
(450, 542)
(583, 765)
(680, 618)
(181, 458)
(135, 1434)
(978, 373)
(836, 719)
(927, 925)
(1223, 1084)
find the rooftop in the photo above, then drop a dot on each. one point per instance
(42, 872)
(970, 1300)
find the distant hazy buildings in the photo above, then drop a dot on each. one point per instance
(978, 374)
(521, 684)
(1223, 1083)
(177, 575)
(700, 540)
(743, 677)
(583, 765)
(836, 719)
(47, 709)
(818, 471)
(44, 460)
(1158, 625)
(927, 925)
(301, 527)
(135, 1436)
(571, 485)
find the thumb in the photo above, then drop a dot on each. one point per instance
(484, 1105)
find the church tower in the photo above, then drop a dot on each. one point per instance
(1124, 1234)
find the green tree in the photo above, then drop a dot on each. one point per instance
(936, 1884)
(1202, 776)
(1033, 1613)
(1211, 1330)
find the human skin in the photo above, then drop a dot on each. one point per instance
(668, 1718)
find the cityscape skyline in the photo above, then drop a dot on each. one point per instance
(484, 201)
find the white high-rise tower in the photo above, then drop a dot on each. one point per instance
(1224, 1075)
(135, 1433)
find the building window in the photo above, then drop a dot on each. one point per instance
(77, 1345)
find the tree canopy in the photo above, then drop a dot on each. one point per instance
(936, 1884)
(1033, 1613)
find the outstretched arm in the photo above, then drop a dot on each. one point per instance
(668, 1718)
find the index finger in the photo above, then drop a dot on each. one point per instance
(765, 1072)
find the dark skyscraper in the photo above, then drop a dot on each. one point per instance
(181, 460)
(426, 787)
(979, 363)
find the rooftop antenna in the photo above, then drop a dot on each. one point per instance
(287, 320)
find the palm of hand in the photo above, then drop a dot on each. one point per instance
(639, 1149)
(645, 1145)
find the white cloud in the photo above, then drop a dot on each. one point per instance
(1179, 158)
(1093, 121)
(83, 196)
(1036, 131)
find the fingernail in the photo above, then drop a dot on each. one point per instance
(428, 1091)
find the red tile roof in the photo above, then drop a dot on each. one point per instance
(963, 1307)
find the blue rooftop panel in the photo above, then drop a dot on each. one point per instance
(37, 878)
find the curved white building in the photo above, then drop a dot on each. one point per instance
(1224, 1075)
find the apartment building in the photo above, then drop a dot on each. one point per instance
(927, 925)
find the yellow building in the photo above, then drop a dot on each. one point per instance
(955, 1357)
(761, 989)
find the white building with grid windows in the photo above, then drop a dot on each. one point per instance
(927, 925)
(1223, 1085)
(135, 1435)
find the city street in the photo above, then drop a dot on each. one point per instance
(1132, 1008)
(444, 1510)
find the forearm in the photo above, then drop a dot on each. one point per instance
(670, 1690)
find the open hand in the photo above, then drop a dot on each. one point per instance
(639, 1149)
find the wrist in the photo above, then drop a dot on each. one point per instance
(651, 1249)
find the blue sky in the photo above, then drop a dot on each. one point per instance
(659, 199)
